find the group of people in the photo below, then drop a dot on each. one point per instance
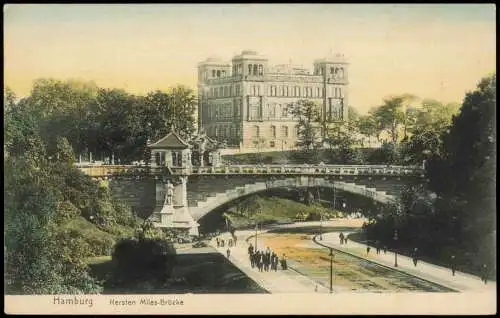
(230, 242)
(343, 238)
(265, 260)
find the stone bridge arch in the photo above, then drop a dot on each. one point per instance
(203, 207)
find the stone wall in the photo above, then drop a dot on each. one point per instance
(138, 193)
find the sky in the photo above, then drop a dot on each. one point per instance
(438, 51)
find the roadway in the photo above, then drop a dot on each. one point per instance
(462, 282)
(291, 281)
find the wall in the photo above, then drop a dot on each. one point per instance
(139, 194)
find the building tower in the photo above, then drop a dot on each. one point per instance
(334, 70)
(212, 68)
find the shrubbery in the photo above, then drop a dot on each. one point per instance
(143, 260)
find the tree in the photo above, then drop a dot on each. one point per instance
(392, 115)
(367, 126)
(309, 129)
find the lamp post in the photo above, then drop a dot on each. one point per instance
(395, 248)
(320, 217)
(396, 234)
(331, 270)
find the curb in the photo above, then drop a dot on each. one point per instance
(383, 265)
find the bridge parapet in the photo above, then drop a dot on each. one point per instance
(332, 170)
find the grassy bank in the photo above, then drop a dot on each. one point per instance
(268, 210)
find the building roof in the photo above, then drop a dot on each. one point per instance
(249, 54)
(333, 58)
(170, 141)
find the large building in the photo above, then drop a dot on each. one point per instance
(245, 102)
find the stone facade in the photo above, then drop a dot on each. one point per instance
(244, 103)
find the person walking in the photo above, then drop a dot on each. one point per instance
(341, 237)
(385, 249)
(218, 242)
(222, 243)
(378, 247)
(453, 265)
(484, 274)
(284, 265)
(345, 240)
(367, 249)
(261, 261)
(228, 252)
(415, 256)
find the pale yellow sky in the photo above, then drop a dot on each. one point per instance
(436, 51)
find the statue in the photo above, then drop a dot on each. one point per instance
(170, 193)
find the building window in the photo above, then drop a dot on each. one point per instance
(255, 131)
(284, 110)
(218, 74)
(286, 90)
(249, 69)
(284, 131)
(223, 73)
(296, 130)
(272, 144)
(273, 131)
(213, 73)
(318, 94)
(297, 91)
(261, 70)
(237, 90)
(255, 69)
(271, 110)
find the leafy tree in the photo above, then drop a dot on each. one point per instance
(367, 126)
(392, 115)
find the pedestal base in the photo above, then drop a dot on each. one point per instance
(175, 218)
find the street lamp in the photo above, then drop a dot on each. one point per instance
(395, 248)
(396, 236)
(331, 269)
(320, 218)
(256, 227)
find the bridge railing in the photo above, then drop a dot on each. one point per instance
(310, 169)
(344, 170)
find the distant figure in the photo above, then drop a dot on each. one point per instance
(367, 249)
(260, 261)
(221, 243)
(378, 247)
(274, 262)
(385, 249)
(484, 274)
(284, 265)
(453, 265)
(345, 240)
(250, 249)
(341, 236)
(415, 256)
(230, 243)
(218, 242)
(228, 252)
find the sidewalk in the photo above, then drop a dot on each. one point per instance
(281, 281)
(440, 275)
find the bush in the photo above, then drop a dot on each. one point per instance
(143, 260)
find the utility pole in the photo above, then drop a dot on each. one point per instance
(331, 270)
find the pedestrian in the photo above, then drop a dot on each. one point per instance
(385, 249)
(261, 261)
(341, 237)
(378, 247)
(284, 265)
(221, 243)
(235, 240)
(484, 274)
(345, 240)
(415, 256)
(453, 265)
(218, 242)
(250, 249)
(251, 256)
(228, 252)
(367, 249)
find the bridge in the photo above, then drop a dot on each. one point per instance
(178, 191)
